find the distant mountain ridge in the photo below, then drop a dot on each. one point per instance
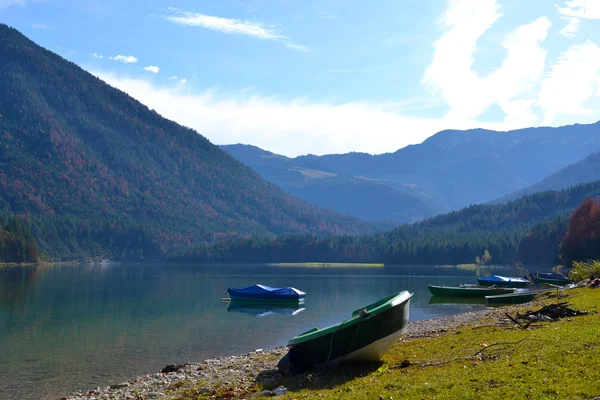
(586, 170)
(361, 197)
(95, 172)
(450, 170)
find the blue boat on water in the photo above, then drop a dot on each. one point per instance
(504, 281)
(266, 294)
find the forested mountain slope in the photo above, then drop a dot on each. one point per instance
(528, 229)
(98, 173)
(16, 243)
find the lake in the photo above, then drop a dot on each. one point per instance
(70, 328)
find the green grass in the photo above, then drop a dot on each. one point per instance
(551, 360)
(556, 360)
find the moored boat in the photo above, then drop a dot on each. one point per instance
(452, 301)
(468, 290)
(512, 298)
(364, 337)
(265, 293)
(551, 278)
(504, 281)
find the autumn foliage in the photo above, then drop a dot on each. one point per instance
(96, 173)
(582, 241)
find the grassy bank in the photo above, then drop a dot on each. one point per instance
(484, 360)
(491, 359)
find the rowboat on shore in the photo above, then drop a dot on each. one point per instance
(551, 278)
(451, 301)
(265, 293)
(468, 290)
(364, 337)
(512, 298)
(525, 295)
(504, 281)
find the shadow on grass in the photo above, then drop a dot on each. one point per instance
(317, 378)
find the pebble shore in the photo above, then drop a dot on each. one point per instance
(238, 376)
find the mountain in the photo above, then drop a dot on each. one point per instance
(529, 229)
(360, 197)
(448, 171)
(94, 172)
(586, 170)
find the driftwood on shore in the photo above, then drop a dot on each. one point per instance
(551, 312)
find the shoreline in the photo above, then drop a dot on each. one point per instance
(246, 375)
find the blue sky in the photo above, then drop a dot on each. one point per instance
(332, 76)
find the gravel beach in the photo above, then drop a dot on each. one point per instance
(238, 376)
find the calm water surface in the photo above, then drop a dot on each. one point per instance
(70, 328)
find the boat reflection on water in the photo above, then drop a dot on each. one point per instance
(264, 309)
(457, 300)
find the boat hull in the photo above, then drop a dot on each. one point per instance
(470, 291)
(512, 298)
(551, 278)
(362, 338)
(504, 282)
(557, 282)
(268, 300)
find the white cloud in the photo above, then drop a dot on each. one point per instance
(576, 10)
(297, 47)
(291, 127)
(152, 68)
(226, 25)
(96, 55)
(175, 78)
(572, 82)
(8, 3)
(230, 25)
(124, 59)
(570, 31)
(513, 86)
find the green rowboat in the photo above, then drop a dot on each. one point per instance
(468, 291)
(364, 337)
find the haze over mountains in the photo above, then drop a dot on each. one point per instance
(448, 171)
(583, 171)
(95, 172)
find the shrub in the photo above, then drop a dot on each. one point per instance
(584, 269)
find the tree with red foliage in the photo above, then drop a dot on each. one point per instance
(582, 241)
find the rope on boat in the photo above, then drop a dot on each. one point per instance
(363, 313)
